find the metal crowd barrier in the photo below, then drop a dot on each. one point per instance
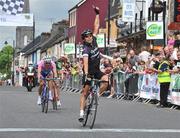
(132, 86)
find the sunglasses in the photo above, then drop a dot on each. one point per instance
(88, 36)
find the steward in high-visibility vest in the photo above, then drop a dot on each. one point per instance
(164, 75)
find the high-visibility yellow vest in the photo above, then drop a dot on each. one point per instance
(164, 76)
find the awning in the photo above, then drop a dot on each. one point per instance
(174, 26)
(133, 35)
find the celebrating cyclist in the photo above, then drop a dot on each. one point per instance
(47, 69)
(91, 62)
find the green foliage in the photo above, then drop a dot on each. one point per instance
(6, 57)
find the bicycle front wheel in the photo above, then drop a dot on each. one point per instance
(93, 109)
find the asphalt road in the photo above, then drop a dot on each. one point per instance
(21, 117)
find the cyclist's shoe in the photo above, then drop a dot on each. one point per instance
(39, 100)
(81, 119)
(58, 103)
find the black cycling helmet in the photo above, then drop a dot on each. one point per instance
(85, 33)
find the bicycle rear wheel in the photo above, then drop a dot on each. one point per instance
(93, 109)
(54, 103)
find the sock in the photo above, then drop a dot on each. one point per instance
(81, 112)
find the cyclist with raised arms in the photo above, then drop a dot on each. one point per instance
(47, 69)
(91, 62)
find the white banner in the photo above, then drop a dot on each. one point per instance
(154, 30)
(16, 20)
(128, 12)
(175, 89)
(146, 87)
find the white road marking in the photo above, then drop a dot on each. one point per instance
(89, 130)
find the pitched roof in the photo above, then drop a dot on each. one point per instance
(43, 37)
(31, 44)
(48, 43)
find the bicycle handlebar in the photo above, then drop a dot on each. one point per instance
(48, 79)
(96, 80)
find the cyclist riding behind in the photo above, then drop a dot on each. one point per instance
(47, 69)
(91, 62)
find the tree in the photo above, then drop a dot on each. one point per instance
(6, 56)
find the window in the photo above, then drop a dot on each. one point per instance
(72, 18)
(25, 40)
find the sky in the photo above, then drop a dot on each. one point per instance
(45, 12)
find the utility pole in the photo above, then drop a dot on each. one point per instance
(13, 72)
(109, 27)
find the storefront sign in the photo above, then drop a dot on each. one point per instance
(128, 12)
(154, 30)
(176, 10)
(69, 48)
(100, 40)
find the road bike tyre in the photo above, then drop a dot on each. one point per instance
(54, 103)
(86, 113)
(87, 109)
(46, 100)
(42, 101)
(93, 109)
(30, 88)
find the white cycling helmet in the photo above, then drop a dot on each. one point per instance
(30, 63)
(47, 59)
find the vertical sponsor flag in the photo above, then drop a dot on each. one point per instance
(128, 12)
(12, 7)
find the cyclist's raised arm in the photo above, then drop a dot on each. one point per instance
(96, 21)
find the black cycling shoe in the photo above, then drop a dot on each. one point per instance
(81, 119)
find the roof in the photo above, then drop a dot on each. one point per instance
(49, 42)
(43, 37)
(77, 5)
(31, 44)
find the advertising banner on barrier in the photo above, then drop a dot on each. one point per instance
(155, 87)
(175, 89)
(16, 20)
(150, 88)
(146, 87)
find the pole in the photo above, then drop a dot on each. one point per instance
(109, 25)
(153, 3)
(13, 72)
(164, 22)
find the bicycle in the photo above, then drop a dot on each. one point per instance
(45, 96)
(90, 109)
